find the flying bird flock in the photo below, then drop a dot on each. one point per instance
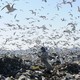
(31, 31)
(22, 26)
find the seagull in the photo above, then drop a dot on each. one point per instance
(44, 17)
(64, 2)
(63, 19)
(15, 16)
(74, 0)
(9, 8)
(19, 26)
(58, 6)
(78, 9)
(33, 12)
(0, 16)
(70, 4)
(71, 14)
(44, 0)
(10, 25)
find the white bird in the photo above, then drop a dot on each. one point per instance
(78, 9)
(70, 4)
(15, 16)
(9, 8)
(44, 17)
(63, 19)
(10, 25)
(74, 0)
(44, 0)
(58, 6)
(64, 2)
(33, 12)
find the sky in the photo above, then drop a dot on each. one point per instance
(29, 22)
(50, 11)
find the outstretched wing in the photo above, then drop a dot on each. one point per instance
(70, 4)
(7, 6)
(3, 7)
(12, 5)
(44, 0)
(78, 8)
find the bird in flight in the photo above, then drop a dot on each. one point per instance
(9, 8)
(63, 19)
(33, 12)
(73, 0)
(70, 4)
(78, 9)
(44, 0)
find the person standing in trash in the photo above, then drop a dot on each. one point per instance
(44, 56)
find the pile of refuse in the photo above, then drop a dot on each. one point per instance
(15, 68)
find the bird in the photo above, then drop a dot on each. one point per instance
(15, 0)
(9, 8)
(44, 17)
(58, 6)
(14, 33)
(70, 4)
(72, 24)
(73, 0)
(78, 9)
(64, 2)
(63, 19)
(15, 16)
(19, 26)
(33, 12)
(10, 25)
(71, 14)
(0, 16)
(27, 18)
(44, 0)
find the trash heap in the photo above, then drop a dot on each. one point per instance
(15, 68)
